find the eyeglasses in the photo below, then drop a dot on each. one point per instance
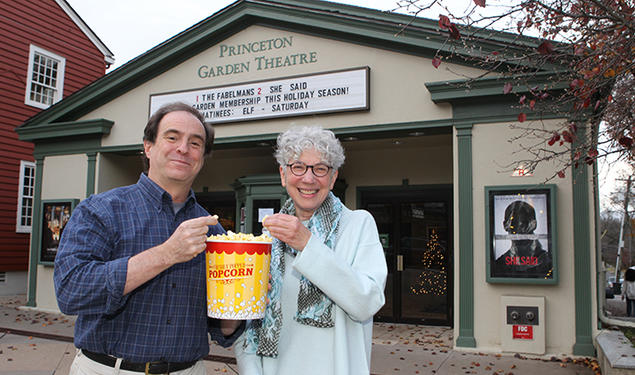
(299, 169)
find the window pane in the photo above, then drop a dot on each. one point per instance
(25, 199)
(45, 77)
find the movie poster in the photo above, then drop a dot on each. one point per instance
(519, 235)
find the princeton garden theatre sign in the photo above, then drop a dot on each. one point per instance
(260, 62)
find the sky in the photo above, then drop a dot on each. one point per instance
(131, 27)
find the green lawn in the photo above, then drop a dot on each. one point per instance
(629, 333)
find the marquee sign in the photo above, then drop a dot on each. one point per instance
(345, 90)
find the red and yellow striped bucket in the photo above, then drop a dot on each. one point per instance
(237, 278)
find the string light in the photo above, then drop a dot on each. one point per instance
(549, 273)
(433, 279)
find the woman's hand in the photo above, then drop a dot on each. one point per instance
(288, 229)
(228, 327)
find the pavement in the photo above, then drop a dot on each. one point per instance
(38, 343)
(616, 308)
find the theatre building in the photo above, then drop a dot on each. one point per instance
(473, 243)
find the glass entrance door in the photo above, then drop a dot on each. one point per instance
(424, 270)
(415, 229)
(383, 214)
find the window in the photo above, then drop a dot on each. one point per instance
(45, 78)
(25, 197)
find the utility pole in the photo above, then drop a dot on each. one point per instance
(620, 242)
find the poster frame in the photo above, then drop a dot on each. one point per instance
(546, 233)
(46, 256)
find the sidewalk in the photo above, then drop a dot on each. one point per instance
(36, 343)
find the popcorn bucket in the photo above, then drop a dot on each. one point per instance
(237, 279)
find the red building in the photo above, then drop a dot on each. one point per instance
(47, 52)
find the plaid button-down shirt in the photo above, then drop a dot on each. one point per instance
(165, 318)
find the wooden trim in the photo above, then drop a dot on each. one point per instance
(42, 132)
(91, 173)
(333, 21)
(455, 90)
(466, 238)
(582, 258)
(36, 232)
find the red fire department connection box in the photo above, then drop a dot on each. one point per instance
(522, 332)
(523, 324)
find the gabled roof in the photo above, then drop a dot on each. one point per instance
(109, 58)
(362, 26)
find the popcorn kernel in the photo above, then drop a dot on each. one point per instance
(231, 236)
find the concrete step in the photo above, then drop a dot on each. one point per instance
(616, 354)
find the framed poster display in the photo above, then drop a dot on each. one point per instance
(55, 214)
(521, 234)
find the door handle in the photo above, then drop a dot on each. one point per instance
(399, 262)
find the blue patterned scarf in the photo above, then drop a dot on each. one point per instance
(314, 308)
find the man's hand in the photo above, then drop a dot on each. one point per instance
(288, 229)
(188, 240)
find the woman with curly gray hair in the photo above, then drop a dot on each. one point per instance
(328, 270)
